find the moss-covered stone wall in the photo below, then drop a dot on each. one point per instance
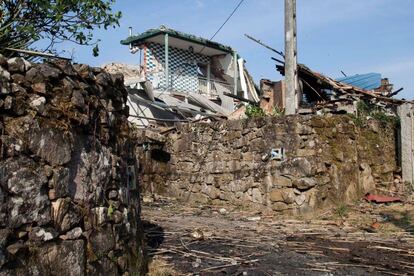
(326, 160)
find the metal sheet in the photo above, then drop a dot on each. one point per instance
(368, 81)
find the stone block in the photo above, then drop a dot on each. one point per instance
(304, 183)
(281, 181)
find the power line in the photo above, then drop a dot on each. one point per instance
(228, 18)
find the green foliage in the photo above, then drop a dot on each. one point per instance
(110, 210)
(24, 22)
(277, 111)
(254, 111)
(342, 210)
(366, 110)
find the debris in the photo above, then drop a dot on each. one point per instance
(254, 218)
(223, 211)
(197, 234)
(381, 199)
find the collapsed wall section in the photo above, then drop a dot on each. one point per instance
(69, 203)
(293, 163)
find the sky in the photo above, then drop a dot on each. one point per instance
(353, 36)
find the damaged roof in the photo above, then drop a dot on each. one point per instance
(143, 37)
(368, 81)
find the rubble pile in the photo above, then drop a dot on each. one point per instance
(69, 203)
(289, 164)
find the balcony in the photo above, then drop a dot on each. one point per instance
(191, 84)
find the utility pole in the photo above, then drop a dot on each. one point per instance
(291, 65)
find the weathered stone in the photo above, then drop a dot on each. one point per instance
(257, 196)
(84, 71)
(39, 234)
(65, 66)
(34, 76)
(367, 180)
(73, 234)
(17, 65)
(3, 61)
(281, 181)
(300, 199)
(280, 206)
(37, 103)
(60, 182)
(102, 241)
(303, 166)
(26, 184)
(65, 214)
(52, 145)
(282, 195)
(99, 216)
(113, 194)
(39, 87)
(48, 71)
(63, 258)
(304, 183)
(77, 99)
(16, 247)
(8, 103)
(15, 88)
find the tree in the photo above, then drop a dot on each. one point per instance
(24, 22)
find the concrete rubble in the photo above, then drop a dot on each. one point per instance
(67, 202)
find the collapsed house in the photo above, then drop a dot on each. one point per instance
(183, 77)
(319, 93)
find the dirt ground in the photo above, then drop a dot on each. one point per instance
(363, 239)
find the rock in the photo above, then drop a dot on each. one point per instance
(304, 183)
(65, 214)
(17, 65)
(257, 196)
(4, 237)
(367, 180)
(223, 211)
(77, 99)
(280, 206)
(281, 181)
(15, 88)
(113, 194)
(39, 234)
(63, 258)
(37, 103)
(300, 199)
(117, 216)
(60, 182)
(4, 74)
(122, 262)
(102, 240)
(99, 216)
(302, 166)
(73, 234)
(16, 247)
(282, 195)
(84, 71)
(65, 66)
(8, 103)
(51, 144)
(48, 71)
(3, 61)
(39, 87)
(26, 183)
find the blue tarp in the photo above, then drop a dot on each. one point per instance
(368, 81)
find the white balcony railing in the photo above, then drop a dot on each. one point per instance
(188, 84)
(213, 87)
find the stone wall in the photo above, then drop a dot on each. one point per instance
(327, 160)
(69, 204)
